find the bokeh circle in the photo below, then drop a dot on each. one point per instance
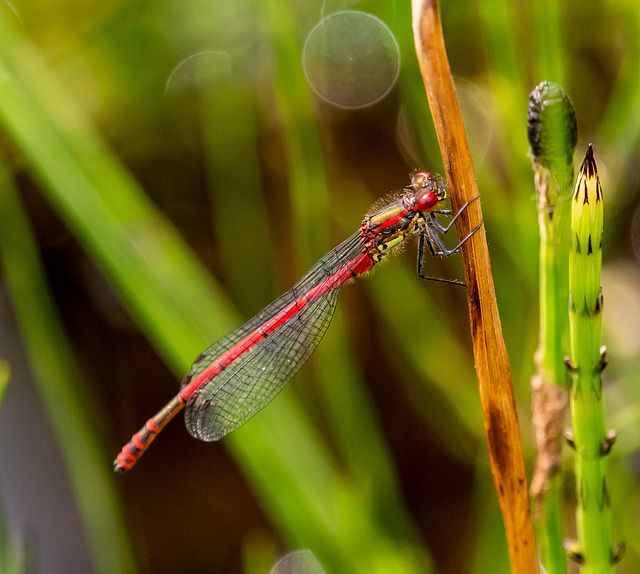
(351, 59)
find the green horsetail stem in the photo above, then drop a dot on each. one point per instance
(552, 131)
(593, 550)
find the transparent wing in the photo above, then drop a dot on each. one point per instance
(298, 562)
(248, 384)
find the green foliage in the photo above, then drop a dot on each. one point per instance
(57, 376)
(183, 157)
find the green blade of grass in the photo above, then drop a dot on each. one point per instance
(8, 556)
(5, 376)
(58, 379)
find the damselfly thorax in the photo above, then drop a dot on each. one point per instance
(390, 225)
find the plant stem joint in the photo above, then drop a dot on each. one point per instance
(573, 551)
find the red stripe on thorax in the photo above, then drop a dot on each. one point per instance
(390, 221)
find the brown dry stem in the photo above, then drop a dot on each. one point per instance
(550, 403)
(492, 364)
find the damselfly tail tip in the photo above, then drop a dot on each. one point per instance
(119, 468)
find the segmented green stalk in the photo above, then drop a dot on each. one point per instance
(594, 547)
(552, 131)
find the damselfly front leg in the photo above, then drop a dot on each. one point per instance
(430, 235)
(441, 228)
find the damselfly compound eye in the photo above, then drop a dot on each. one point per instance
(428, 201)
(421, 179)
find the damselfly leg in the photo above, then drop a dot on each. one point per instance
(431, 236)
(442, 229)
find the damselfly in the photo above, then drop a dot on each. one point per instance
(240, 374)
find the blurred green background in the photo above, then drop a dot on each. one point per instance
(169, 168)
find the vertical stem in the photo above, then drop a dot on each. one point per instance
(492, 364)
(585, 365)
(554, 293)
(552, 132)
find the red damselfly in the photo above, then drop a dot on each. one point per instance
(237, 376)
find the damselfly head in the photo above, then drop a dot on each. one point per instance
(428, 190)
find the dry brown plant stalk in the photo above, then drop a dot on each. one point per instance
(490, 354)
